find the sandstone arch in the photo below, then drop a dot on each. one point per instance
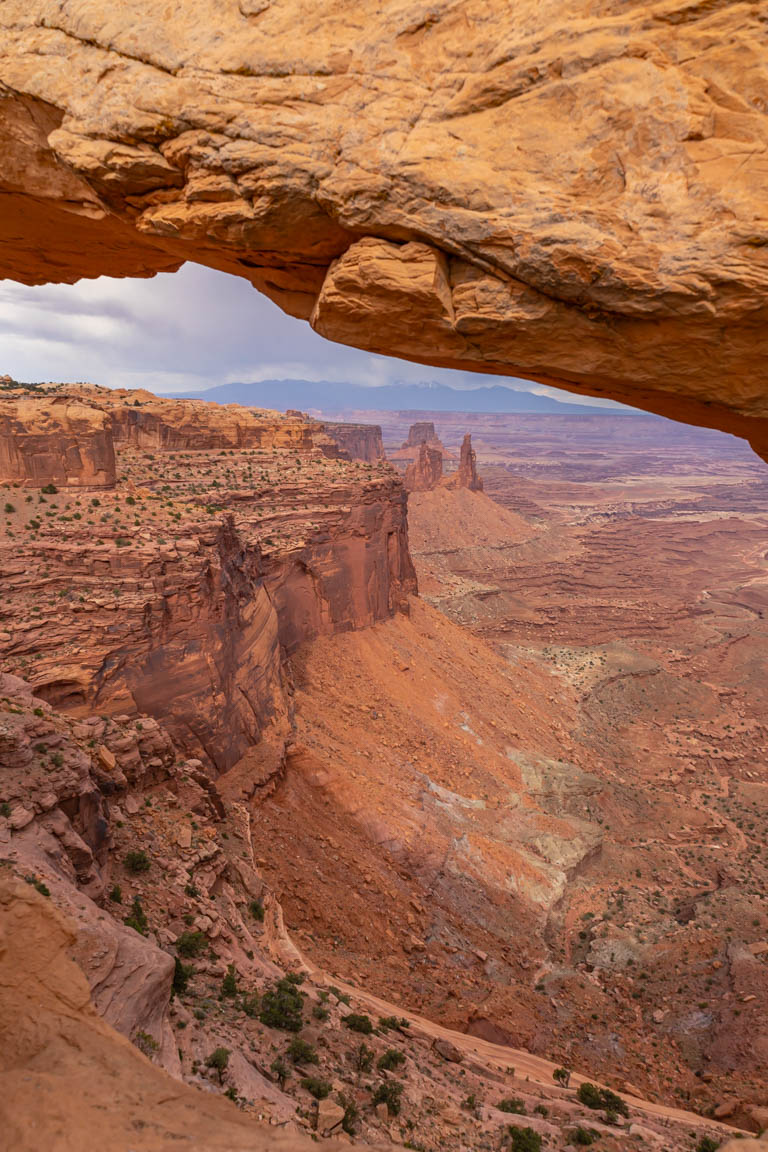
(574, 192)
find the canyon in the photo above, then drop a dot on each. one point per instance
(571, 194)
(237, 747)
(414, 799)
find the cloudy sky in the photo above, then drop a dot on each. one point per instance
(190, 330)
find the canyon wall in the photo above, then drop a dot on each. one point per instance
(572, 196)
(466, 475)
(359, 441)
(426, 470)
(60, 441)
(178, 593)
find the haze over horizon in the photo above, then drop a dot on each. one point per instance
(194, 330)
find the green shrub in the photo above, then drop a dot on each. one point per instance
(316, 1087)
(116, 894)
(191, 944)
(39, 885)
(512, 1104)
(613, 1103)
(351, 1114)
(9, 509)
(387, 1022)
(146, 1044)
(282, 1006)
(257, 910)
(524, 1140)
(137, 861)
(320, 1012)
(582, 1136)
(182, 974)
(251, 1004)
(281, 1071)
(364, 1058)
(49, 489)
(589, 1095)
(389, 1093)
(137, 917)
(300, 1052)
(229, 983)
(593, 1097)
(390, 1060)
(358, 1022)
(219, 1059)
(707, 1144)
(342, 997)
(562, 1076)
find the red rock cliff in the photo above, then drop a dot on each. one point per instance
(466, 475)
(425, 472)
(55, 440)
(359, 441)
(183, 588)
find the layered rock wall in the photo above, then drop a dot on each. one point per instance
(359, 441)
(56, 441)
(466, 475)
(146, 421)
(178, 594)
(425, 472)
(575, 196)
(419, 433)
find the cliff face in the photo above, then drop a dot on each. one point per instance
(419, 433)
(359, 441)
(146, 421)
(178, 593)
(562, 196)
(63, 442)
(466, 475)
(425, 472)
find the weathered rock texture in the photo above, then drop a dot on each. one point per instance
(571, 193)
(466, 475)
(61, 441)
(426, 470)
(66, 1076)
(423, 431)
(184, 587)
(359, 441)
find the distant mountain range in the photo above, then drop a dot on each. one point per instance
(329, 395)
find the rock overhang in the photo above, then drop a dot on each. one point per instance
(581, 204)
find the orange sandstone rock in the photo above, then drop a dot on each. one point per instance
(55, 440)
(577, 199)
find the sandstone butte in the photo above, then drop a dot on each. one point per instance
(425, 471)
(575, 192)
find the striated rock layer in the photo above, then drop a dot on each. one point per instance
(466, 475)
(179, 593)
(359, 441)
(61, 441)
(426, 470)
(573, 194)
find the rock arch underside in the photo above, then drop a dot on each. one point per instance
(573, 191)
